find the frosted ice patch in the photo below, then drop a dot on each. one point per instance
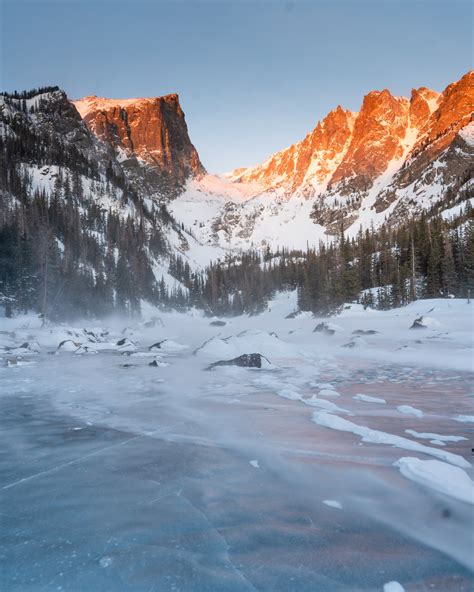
(328, 392)
(326, 405)
(333, 504)
(465, 418)
(106, 561)
(409, 410)
(170, 345)
(289, 394)
(435, 437)
(266, 381)
(377, 437)
(441, 476)
(393, 587)
(369, 399)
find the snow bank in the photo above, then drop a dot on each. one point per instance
(409, 410)
(442, 477)
(267, 344)
(369, 399)
(326, 405)
(328, 392)
(170, 345)
(377, 437)
(435, 437)
(465, 418)
(333, 504)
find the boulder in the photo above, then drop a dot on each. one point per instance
(362, 332)
(323, 328)
(27, 347)
(69, 345)
(156, 345)
(217, 323)
(418, 324)
(85, 349)
(349, 345)
(244, 361)
(153, 322)
(125, 345)
(158, 364)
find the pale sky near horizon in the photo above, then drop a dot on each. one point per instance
(253, 76)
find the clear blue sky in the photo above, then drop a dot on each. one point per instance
(253, 77)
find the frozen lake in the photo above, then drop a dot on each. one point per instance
(117, 475)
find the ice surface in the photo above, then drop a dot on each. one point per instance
(121, 476)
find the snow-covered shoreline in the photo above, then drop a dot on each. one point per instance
(143, 384)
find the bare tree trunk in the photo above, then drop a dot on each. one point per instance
(413, 270)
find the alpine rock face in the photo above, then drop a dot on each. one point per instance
(397, 156)
(149, 137)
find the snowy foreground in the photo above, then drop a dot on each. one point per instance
(344, 463)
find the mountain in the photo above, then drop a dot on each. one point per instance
(79, 232)
(149, 137)
(394, 158)
(105, 207)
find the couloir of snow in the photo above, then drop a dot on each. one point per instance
(237, 478)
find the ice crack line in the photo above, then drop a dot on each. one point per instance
(68, 464)
(220, 536)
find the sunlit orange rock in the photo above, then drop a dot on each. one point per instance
(152, 130)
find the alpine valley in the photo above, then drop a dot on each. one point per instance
(105, 205)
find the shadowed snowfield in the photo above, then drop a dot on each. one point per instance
(343, 464)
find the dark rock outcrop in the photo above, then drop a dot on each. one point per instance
(418, 324)
(323, 328)
(244, 361)
(156, 345)
(362, 332)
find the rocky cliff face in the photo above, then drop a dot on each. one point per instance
(150, 138)
(308, 162)
(454, 108)
(377, 138)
